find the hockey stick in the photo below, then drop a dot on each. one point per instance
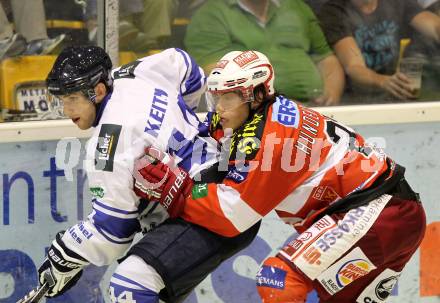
(35, 295)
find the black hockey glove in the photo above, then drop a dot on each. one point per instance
(64, 265)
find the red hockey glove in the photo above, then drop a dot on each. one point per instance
(142, 187)
(161, 181)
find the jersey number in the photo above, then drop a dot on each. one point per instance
(126, 71)
(124, 297)
(337, 131)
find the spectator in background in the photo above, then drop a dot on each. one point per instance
(154, 24)
(30, 37)
(427, 49)
(431, 5)
(127, 31)
(286, 31)
(185, 10)
(316, 5)
(366, 34)
(144, 24)
(67, 17)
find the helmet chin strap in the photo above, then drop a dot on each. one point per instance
(260, 105)
(251, 110)
(90, 93)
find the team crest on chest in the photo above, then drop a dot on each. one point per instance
(246, 141)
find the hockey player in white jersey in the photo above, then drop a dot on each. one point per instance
(147, 103)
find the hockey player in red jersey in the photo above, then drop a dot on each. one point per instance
(358, 219)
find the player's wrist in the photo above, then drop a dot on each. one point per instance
(64, 265)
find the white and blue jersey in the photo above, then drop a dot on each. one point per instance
(152, 104)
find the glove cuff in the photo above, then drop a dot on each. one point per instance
(64, 266)
(63, 258)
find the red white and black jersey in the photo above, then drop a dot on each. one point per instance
(289, 158)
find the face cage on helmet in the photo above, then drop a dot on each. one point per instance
(212, 96)
(85, 85)
(56, 105)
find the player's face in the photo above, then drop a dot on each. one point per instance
(79, 108)
(232, 109)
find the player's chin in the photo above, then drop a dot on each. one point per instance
(230, 125)
(225, 123)
(83, 125)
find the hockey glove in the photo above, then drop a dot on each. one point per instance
(162, 181)
(64, 265)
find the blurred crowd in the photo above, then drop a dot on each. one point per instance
(325, 52)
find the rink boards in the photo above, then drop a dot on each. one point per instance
(38, 199)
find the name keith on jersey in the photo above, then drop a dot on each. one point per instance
(157, 112)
